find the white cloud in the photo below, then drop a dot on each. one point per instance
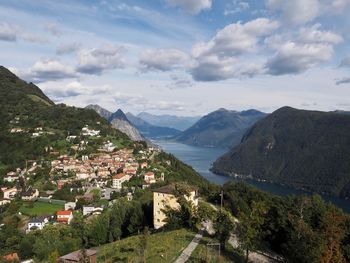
(140, 103)
(162, 59)
(213, 68)
(47, 70)
(220, 58)
(191, 6)
(8, 32)
(314, 35)
(343, 81)
(236, 7)
(179, 82)
(12, 33)
(345, 62)
(54, 29)
(73, 89)
(67, 48)
(237, 38)
(33, 38)
(299, 51)
(294, 58)
(297, 12)
(97, 60)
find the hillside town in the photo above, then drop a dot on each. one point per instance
(105, 172)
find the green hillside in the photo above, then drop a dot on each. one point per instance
(23, 106)
(303, 149)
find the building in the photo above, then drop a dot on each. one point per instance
(165, 196)
(92, 210)
(144, 165)
(30, 194)
(149, 178)
(4, 201)
(10, 193)
(64, 217)
(119, 179)
(11, 177)
(13, 257)
(78, 256)
(70, 205)
(37, 223)
(129, 196)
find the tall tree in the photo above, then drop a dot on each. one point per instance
(223, 225)
(250, 227)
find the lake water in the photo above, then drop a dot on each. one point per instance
(201, 158)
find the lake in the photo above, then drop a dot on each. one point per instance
(201, 158)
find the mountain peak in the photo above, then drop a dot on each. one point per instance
(101, 111)
(120, 115)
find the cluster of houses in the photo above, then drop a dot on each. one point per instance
(119, 166)
(38, 131)
(107, 165)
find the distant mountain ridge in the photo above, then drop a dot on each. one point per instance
(119, 121)
(299, 148)
(151, 131)
(171, 121)
(221, 128)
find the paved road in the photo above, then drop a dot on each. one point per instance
(186, 253)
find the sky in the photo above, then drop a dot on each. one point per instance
(182, 57)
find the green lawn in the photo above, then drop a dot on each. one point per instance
(39, 208)
(162, 247)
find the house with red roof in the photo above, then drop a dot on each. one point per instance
(64, 217)
(13, 257)
(119, 179)
(149, 178)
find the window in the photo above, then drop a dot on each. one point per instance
(158, 220)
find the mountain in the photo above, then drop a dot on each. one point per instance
(101, 111)
(31, 123)
(298, 148)
(119, 121)
(176, 122)
(221, 128)
(151, 131)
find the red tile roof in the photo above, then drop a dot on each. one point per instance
(64, 213)
(11, 257)
(119, 176)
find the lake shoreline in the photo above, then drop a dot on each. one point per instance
(201, 158)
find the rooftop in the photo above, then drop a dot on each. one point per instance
(64, 213)
(119, 176)
(170, 189)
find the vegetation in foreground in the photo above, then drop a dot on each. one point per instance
(158, 247)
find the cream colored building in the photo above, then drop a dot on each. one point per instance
(164, 196)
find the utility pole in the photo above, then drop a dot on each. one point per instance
(222, 198)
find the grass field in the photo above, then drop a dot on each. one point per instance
(38, 99)
(162, 247)
(39, 208)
